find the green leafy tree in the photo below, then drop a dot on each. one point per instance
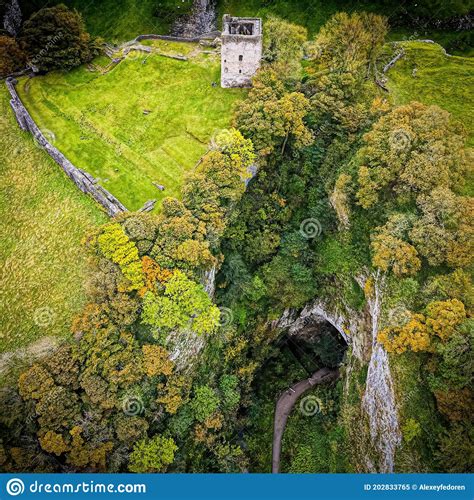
(55, 38)
(443, 234)
(212, 190)
(184, 304)
(454, 365)
(272, 117)
(411, 429)
(283, 45)
(204, 403)
(152, 455)
(444, 316)
(181, 241)
(129, 429)
(390, 253)
(116, 246)
(228, 385)
(456, 454)
(456, 285)
(349, 42)
(411, 150)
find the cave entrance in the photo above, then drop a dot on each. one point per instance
(319, 349)
(292, 359)
(316, 345)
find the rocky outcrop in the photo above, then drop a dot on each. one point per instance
(379, 397)
(353, 326)
(209, 281)
(184, 347)
(201, 20)
(84, 181)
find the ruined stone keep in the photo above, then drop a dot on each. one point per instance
(241, 50)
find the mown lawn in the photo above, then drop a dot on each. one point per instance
(44, 218)
(446, 81)
(148, 120)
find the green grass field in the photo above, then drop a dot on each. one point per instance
(440, 79)
(148, 120)
(43, 217)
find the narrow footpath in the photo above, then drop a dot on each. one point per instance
(286, 402)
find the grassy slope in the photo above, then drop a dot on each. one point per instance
(313, 14)
(120, 20)
(44, 218)
(440, 79)
(99, 121)
(310, 14)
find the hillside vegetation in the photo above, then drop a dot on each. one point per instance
(146, 121)
(120, 20)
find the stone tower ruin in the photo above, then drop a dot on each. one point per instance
(241, 50)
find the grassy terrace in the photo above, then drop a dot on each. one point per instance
(147, 120)
(44, 218)
(439, 79)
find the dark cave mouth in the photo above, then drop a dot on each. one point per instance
(317, 345)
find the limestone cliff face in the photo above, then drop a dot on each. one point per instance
(359, 329)
(184, 348)
(201, 20)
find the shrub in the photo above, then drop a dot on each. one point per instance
(411, 429)
(230, 394)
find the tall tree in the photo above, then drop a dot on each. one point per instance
(56, 38)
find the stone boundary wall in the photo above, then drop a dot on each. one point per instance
(212, 35)
(84, 181)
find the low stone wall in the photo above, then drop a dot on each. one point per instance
(84, 181)
(212, 35)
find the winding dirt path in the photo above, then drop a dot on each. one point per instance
(286, 402)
